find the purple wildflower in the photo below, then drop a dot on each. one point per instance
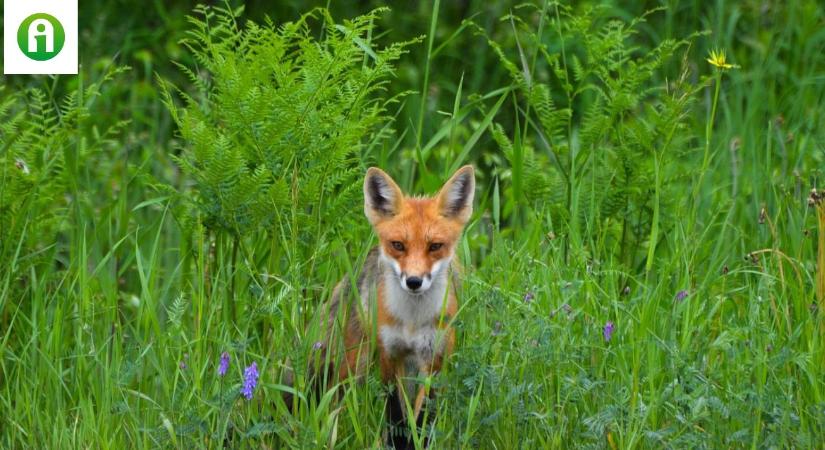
(224, 365)
(183, 365)
(250, 380)
(528, 297)
(608, 331)
(681, 295)
(318, 345)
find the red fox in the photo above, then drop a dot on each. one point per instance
(406, 291)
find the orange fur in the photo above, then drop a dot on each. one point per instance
(406, 292)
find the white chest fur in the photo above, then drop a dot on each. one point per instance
(420, 344)
(414, 332)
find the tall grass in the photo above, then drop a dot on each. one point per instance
(115, 303)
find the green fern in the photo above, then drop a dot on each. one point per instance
(278, 128)
(600, 111)
(176, 311)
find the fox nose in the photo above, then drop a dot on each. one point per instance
(414, 282)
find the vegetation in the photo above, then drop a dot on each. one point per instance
(645, 265)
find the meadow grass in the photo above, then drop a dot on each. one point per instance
(116, 304)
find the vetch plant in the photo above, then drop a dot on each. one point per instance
(250, 380)
(608, 330)
(223, 365)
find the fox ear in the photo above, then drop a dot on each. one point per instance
(381, 195)
(455, 199)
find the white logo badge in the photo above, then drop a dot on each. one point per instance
(40, 37)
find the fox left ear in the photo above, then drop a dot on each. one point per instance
(455, 199)
(382, 196)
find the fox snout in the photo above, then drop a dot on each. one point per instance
(417, 280)
(416, 284)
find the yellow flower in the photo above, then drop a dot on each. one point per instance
(718, 59)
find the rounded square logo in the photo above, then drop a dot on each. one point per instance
(40, 37)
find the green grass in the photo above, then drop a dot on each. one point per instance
(116, 303)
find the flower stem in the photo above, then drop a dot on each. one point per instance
(820, 257)
(708, 137)
(709, 130)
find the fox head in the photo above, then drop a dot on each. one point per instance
(418, 235)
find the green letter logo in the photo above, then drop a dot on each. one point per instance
(41, 37)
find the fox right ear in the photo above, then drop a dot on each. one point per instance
(455, 200)
(382, 196)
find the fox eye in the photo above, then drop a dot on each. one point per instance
(434, 247)
(398, 245)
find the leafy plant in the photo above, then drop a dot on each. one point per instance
(280, 124)
(45, 149)
(32, 203)
(606, 173)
